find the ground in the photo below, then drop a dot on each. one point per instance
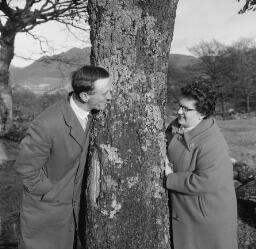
(240, 135)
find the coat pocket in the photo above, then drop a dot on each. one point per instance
(202, 205)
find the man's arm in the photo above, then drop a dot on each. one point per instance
(34, 152)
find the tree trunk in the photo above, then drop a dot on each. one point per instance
(126, 203)
(247, 102)
(6, 55)
(222, 99)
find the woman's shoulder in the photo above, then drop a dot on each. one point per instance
(212, 137)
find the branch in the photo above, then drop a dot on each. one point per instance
(25, 58)
(41, 40)
(72, 24)
(64, 11)
(7, 11)
(29, 4)
(1, 26)
(249, 5)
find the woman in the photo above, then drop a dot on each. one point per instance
(204, 207)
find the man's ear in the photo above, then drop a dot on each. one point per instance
(84, 97)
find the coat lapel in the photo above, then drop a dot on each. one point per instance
(76, 130)
(191, 137)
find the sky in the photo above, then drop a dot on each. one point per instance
(196, 20)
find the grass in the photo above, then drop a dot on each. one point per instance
(241, 138)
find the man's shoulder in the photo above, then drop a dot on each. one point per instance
(54, 108)
(51, 114)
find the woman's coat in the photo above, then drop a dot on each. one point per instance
(51, 164)
(204, 207)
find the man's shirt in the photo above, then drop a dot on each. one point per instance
(81, 114)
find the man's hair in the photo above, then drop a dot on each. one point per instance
(83, 79)
(204, 95)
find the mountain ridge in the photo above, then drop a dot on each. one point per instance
(53, 72)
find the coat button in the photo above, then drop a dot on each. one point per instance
(191, 145)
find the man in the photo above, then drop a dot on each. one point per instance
(52, 159)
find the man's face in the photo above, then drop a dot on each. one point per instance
(101, 95)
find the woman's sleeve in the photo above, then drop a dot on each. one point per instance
(211, 171)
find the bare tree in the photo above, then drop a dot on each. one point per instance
(215, 64)
(22, 16)
(248, 5)
(126, 203)
(243, 54)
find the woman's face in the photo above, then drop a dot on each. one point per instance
(187, 114)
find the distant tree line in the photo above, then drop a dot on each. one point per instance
(231, 70)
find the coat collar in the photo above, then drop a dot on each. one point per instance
(76, 130)
(193, 136)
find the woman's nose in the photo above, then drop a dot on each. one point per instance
(179, 111)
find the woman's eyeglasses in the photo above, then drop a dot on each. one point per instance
(185, 109)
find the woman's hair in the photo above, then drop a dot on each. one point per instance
(83, 79)
(204, 95)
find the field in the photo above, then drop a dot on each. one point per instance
(241, 138)
(240, 135)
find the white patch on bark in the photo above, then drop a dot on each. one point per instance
(104, 212)
(116, 207)
(132, 181)
(159, 221)
(154, 120)
(150, 96)
(158, 191)
(112, 153)
(3, 155)
(166, 238)
(162, 146)
(94, 179)
(109, 183)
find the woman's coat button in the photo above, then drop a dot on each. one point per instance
(176, 218)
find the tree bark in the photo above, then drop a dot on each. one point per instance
(6, 55)
(247, 100)
(127, 207)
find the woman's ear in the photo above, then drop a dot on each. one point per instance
(84, 97)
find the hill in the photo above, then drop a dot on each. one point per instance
(49, 73)
(182, 61)
(180, 69)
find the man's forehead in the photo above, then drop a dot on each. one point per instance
(103, 84)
